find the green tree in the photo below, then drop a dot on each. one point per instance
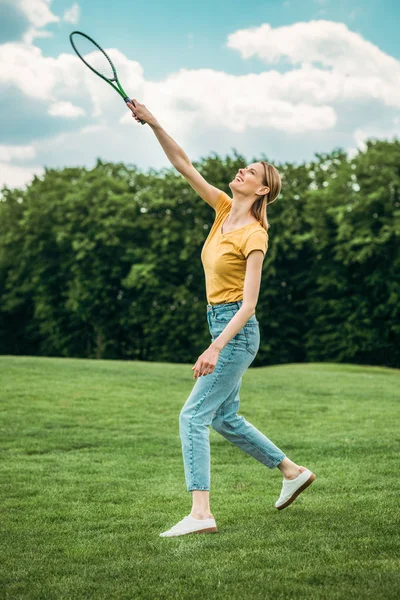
(105, 263)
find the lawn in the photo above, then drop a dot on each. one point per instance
(92, 472)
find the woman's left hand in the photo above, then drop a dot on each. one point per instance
(206, 362)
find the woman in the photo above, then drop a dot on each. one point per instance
(232, 258)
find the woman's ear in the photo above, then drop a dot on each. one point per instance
(263, 191)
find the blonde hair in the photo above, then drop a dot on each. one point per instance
(272, 179)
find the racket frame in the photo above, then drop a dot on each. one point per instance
(117, 88)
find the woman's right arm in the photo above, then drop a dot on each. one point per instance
(178, 158)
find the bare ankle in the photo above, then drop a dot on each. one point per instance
(201, 514)
(289, 469)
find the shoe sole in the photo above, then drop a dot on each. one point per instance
(208, 530)
(297, 492)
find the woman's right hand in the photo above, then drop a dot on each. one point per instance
(140, 112)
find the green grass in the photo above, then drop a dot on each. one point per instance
(92, 472)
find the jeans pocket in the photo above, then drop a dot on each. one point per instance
(252, 332)
(224, 316)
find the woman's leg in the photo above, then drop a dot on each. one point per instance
(289, 469)
(201, 504)
(208, 393)
(245, 436)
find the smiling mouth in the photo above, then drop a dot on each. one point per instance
(238, 179)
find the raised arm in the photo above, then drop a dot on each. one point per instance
(178, 158)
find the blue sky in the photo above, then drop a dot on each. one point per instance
(166, 36)
(286, 78)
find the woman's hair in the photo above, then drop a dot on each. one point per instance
(272, 179)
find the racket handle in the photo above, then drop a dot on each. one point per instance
(127, 99)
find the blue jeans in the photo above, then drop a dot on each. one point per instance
(214, 400)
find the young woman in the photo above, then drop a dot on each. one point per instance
(232, 258)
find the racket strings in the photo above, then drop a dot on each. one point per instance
(94, 56)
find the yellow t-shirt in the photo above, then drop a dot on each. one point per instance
(224, 255)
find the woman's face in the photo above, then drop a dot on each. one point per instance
(249, 180)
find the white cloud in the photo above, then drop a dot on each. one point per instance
(8, 153)
(72, 14)
(33, 34)
(93, 128)
(378, 132)
(331, 67)
(388, 132)
(16, 176)
(297, 101)
(37, 12)
(24, 66)
(66, 109)
(236, 102)
(352, 68)
(47, 78)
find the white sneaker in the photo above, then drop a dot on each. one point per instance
(191, 525)
(291, 488)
